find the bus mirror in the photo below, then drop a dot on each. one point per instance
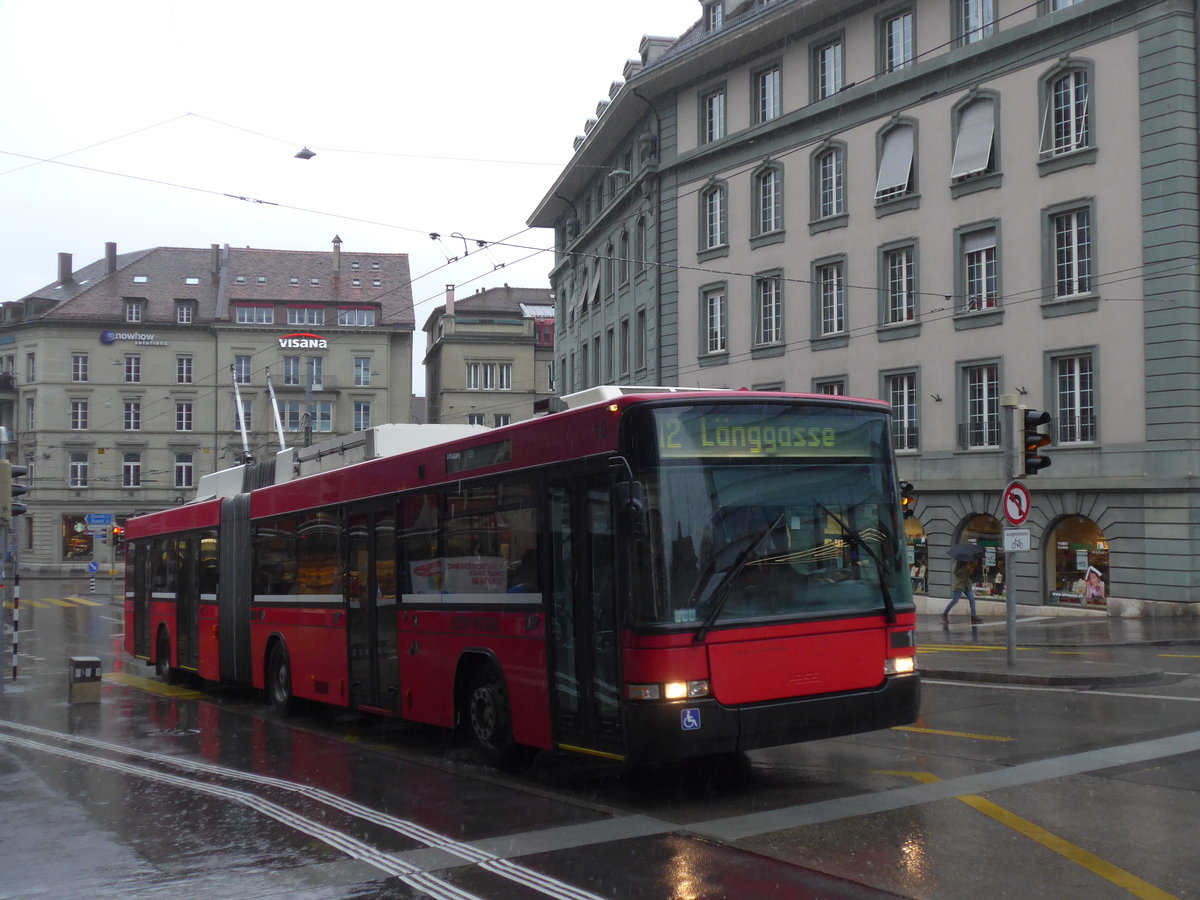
(631, 504)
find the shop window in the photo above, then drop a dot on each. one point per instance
(918, 555)
(1080, 563)
(76, 539)
(989, 573)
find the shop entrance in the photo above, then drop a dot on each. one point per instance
(918, 555)
(989, 572)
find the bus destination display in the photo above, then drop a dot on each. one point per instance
(765, 433)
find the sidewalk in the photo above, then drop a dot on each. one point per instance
(1045, 646)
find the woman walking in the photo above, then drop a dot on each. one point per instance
(962, 584)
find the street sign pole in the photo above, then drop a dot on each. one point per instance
(1008, 440)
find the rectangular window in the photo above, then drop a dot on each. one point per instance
(828, 77)
(769, 197)
(976, 19)
(979, 270)
(362, 371)
(30, 367)
(255, 315)
(639, 339)
(1075, 394)
(183, 415)
(973, 145)
(30, 414)
(896, 164)
(768, 313)
(714, 218)
(766, 94)
(306, 315)
(716, 321)
(241, 369)
(834, 387)
(324, 416)
(624, 348)
(502, 419)
(131, 470)
(291, 370)
(714, 15)
(489, 376)
(78, 415)
(474, 418)
(246, 420)
(183, 312)
(713, 106)
(983, 406)
(1067, 127)
(902, 394)
(78, 469)
(897, 35)
(362, 415)
(291, 414)
(133, 415)
(901, 285)
(133, 369)
(359, 318)
(832, 287)
(79, 367)
(1072, 253)
(183, 370)
(133, 310)
(832, 184)
(183, 470)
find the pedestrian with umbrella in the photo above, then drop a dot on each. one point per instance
(964, 556)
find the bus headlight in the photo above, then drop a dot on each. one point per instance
(900, 665)
(672, 690)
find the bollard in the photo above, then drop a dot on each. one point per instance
(92, 581)
(83, 685)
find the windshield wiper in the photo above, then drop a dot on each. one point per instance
(721, 592)
(857, 539)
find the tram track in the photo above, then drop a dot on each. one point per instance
(156, 767)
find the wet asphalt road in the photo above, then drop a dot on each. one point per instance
(162, 791)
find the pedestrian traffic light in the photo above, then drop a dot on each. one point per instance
(1033, 440)
(10, 489)
(908, 499)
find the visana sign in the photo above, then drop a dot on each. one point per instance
(303, 341)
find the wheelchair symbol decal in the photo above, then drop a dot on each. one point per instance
(689, 719)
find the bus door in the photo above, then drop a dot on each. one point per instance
(371, 608)
(584, 654)
(139, 578)
(187, 610)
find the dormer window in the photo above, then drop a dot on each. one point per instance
(141, 279)
(239, 279)
(191, 279)
(714, 15)
(134, 310)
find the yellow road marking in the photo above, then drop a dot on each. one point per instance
(938, 648)
(1090, 861)
(1180, 655)
(1071, 652)
(57, 602)
(84, 600)
(961, 734)
(155, 687)
(36, 604)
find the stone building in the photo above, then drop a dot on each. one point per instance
(125, 375)
(952, 206)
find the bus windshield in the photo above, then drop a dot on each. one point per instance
(763, 512)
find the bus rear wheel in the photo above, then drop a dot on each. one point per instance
(162, 660)
(279, 679)
(490, 719)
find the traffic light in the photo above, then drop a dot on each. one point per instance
(10, 489)
(908, 499)
(118, 535)
(1033, 440)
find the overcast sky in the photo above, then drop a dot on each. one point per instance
(446, 117)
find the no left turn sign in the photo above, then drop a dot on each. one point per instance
(1016, 503)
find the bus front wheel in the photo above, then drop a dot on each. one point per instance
(279, 679)
(490, 718)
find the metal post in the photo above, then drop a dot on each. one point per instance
(1009, 441)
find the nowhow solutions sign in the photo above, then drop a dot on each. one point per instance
(303, 341)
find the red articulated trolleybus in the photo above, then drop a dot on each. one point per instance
(651, 575)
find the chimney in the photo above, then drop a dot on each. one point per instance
(110, 257)
(337, 253)
(64, 269)
(216, 261)
(449, 299)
